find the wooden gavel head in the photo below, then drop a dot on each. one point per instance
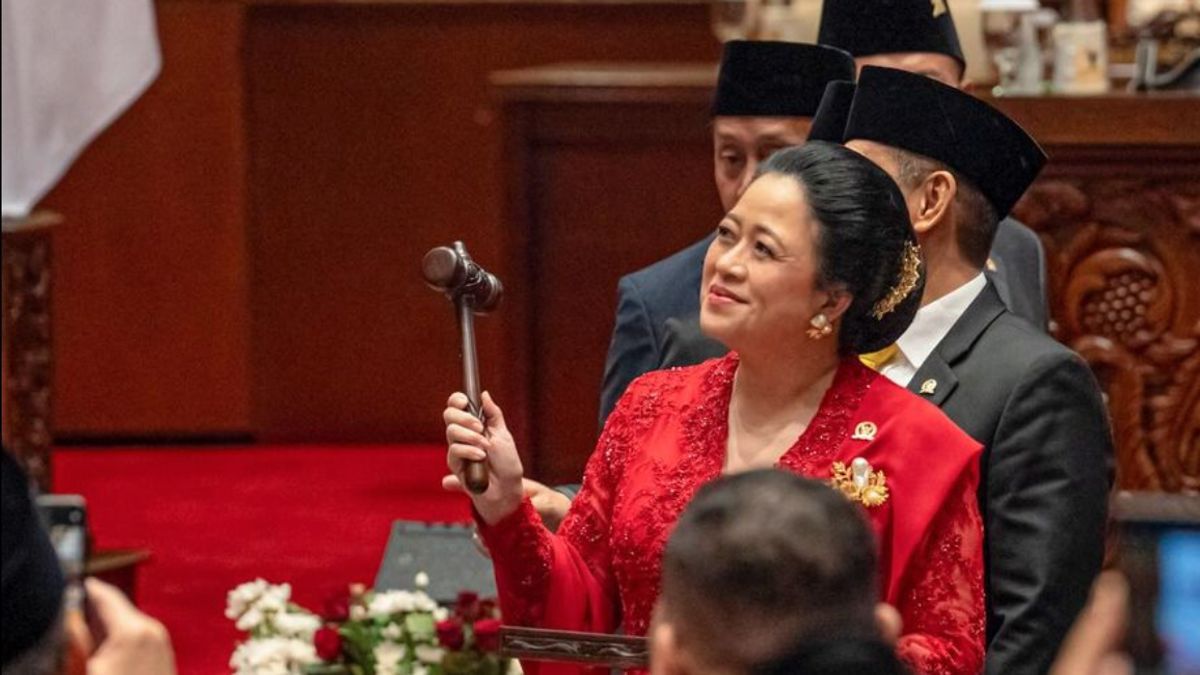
(450, 269)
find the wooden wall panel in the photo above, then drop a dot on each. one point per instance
(373, 139)
(150, 310)
(602, 212)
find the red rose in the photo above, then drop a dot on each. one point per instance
(467, 605)
(487, 609)
(487, 635)
(337, 607)
(328, 642)
(450, 634)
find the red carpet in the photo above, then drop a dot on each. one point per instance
(315, 517)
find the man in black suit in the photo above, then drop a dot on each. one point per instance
(1032, 403)
(919, 36)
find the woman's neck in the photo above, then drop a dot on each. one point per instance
(771, 384)
(774, 398)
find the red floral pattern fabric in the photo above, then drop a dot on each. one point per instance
(667, 437)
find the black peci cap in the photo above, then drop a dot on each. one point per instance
(923, 116)
(829, 124)
(776, 79)
(868, 27)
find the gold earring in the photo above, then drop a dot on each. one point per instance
(820, 327)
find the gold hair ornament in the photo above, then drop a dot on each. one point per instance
(910, 273)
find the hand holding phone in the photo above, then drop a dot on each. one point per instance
(65, 519)
(128, 642)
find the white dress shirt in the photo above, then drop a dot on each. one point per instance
(932, 323)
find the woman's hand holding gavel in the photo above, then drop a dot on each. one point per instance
(467, 441)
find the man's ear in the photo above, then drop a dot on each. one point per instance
(934, 197)
(889, 623)
(665, 655)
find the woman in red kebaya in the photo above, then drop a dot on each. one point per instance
(816, 264)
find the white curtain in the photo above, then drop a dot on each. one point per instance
(70, 68)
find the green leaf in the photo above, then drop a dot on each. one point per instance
(420, 625)
(358, 643)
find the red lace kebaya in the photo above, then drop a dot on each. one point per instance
(667, 437)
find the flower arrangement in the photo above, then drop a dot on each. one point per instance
(364, 632)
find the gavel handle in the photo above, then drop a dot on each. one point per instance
(476, 473)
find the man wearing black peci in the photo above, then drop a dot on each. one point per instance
(1032, 403)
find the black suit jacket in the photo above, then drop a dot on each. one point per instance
(1047, 467)
(670, 289)
(1047, 470)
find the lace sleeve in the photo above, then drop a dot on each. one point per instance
(943, 608)
(564, 581)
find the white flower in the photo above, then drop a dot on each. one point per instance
(256, 599)
(250, 620)
(388, 603)
(421, 580)
(423, 603)
(441, 614)
(357, 612)
(272, 656)
(393, 632)
(296, 624)
(387, 658)
(429, 653)
(239, 599)
(275, 598)
(419, 669)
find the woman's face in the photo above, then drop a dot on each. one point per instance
(760, 274)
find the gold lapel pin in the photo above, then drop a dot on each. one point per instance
(929, 386)
(865, 431)
(860, 483)
(991, 265)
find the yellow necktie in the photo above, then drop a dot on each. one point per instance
(876, 360)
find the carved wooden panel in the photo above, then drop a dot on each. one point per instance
(594, 649)
(1123, 255)
(27, 344)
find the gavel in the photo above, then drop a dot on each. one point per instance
(473, 290)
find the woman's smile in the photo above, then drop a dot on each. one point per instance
(719, 296)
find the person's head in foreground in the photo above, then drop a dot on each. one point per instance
(819, 244)
(36, 635)
(766, 95)
(914, 35)
(768, 572)
(961, 164)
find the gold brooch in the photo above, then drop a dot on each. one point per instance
(910, 273)
(929, 386)
(860, 483)
(865, 431)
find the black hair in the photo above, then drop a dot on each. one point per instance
(978, 220)
(761, 560)
(864, 231)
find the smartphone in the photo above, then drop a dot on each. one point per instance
(65, 518)
(1159, 553)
